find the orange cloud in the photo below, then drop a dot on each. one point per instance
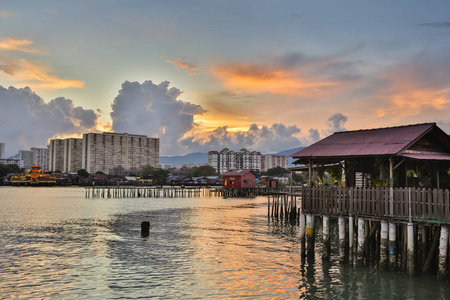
(180, 64)
(255, 79)
(18, 45)
(39, 76)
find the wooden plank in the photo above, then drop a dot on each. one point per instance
(434, 205)
(446, 209)
(440, 207)
(429, 213)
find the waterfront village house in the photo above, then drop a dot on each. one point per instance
(239, 179)
(404, 156)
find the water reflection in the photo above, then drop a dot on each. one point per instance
(197, 249)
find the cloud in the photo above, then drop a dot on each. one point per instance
(37, 75)
(18, 45)
(181, 64)
(27, 121)
(335, 123)
(266, 139)
(5, 14)
(437, 24)
(153, 110)
(248, 78)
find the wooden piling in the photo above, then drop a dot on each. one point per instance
(361, 242)
(310, 235)
(392, 246)
(384, 257)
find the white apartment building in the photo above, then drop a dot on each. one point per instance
(12, 161)
(2, 150)
(272, 161)
(105, 151)
(73, 152)
(40, 157)
(56, 155)
(27, 157)
(227, 160)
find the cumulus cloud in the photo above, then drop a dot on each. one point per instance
(27, 121)
(153, 110)
(335, 123)
(266, 139)
(181, 64)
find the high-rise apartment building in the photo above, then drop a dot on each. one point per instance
(2, 150)
(73, 153)
(40, 157)
(272, 161)
(27, 157)
(105, 151)
(227, 160)
(56, 155)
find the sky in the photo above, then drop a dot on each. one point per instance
(205, 75)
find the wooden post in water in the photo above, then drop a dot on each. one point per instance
(145, 229)
(443, 246)
(341, 224)
(392, 246)
(326, 238)
(410, 255)
(384, 245)
(361, 240)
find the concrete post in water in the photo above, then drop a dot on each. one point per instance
(310, 235)
(326, 238)
(302, 232)
(384, 245)
(350, 238)
(361, 239)
(392, 246)
(443, 245)
(341, 224)
(410, 256)
(145, 229)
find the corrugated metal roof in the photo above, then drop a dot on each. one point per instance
(236, 172)
(371, 142)
(427, 156)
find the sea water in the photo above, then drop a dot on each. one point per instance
(57, 244)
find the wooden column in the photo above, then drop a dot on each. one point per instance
(326, 238)
(341, 223)
(391, 186)
(361, 240)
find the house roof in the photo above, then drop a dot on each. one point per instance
(237, 172)
(391, 141)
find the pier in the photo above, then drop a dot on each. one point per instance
(395, 229)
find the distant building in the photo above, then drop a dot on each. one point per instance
(56, 155)
(2, 150)
(40, 157)
(104, 151)
(27, 157)
(73, 151)
(165, 166)
(272, 161)
(12, 161)
(227, 160)
(239, 179)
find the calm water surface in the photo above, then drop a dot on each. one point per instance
(56, 244)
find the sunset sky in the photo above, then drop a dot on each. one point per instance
(204, 75)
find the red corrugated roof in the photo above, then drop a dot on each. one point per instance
(427, 156)
(371, 142)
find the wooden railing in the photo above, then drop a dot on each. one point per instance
(419, 204)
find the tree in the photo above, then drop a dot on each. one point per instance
(202, 171)
(6, 169)
(99, 173)
(158, 175)
(277, 171)
(83, 172)
(147, 171)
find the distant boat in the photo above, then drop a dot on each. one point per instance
(34, 176)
